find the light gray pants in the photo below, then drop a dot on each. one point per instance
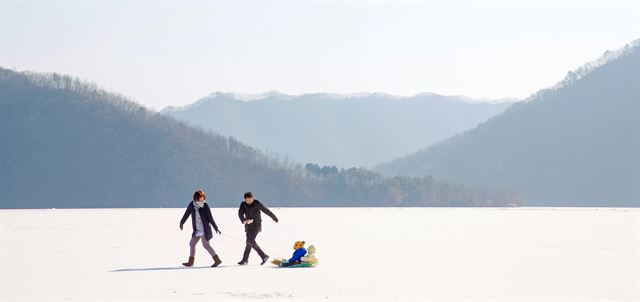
(205, 244)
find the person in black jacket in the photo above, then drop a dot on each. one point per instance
(249, 214)
(200, 219)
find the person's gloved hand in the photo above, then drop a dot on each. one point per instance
(218, 231)
(275, 219)
(181, 227)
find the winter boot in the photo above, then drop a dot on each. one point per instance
(189, 263)
(216, 261)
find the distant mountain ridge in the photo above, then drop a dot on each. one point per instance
(337, 129)
(576, 143)
(273, 94)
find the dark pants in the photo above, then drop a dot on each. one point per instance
(290, 263)
(251, 243)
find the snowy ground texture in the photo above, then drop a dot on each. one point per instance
(435, 254)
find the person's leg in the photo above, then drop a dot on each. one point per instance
(192, 251)
(192, 246)
(251, 236)
(255, 245)
(207, 246)
(287, 264)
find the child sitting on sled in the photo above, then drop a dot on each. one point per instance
(299, 252)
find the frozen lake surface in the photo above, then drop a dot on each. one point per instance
(437, 254)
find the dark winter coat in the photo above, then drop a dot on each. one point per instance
(207, 218)
(252, 211)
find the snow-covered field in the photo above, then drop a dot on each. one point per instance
(437, 254)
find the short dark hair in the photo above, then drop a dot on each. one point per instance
(199, 194)
(248, 195)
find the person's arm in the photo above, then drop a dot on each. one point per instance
(297, 255)
(187, 212)
(265, 210)
(241, 213)
(213, 222)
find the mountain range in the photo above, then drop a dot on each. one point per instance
(574, 144)
(68, 144)
(346, 130)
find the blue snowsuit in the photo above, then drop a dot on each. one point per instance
(299, 253)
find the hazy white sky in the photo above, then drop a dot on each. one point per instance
(171, 53)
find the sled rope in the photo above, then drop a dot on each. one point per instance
(237, 239)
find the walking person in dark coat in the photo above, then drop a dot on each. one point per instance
(200, 219)
(249, 214)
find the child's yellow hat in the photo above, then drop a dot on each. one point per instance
(298, 244)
